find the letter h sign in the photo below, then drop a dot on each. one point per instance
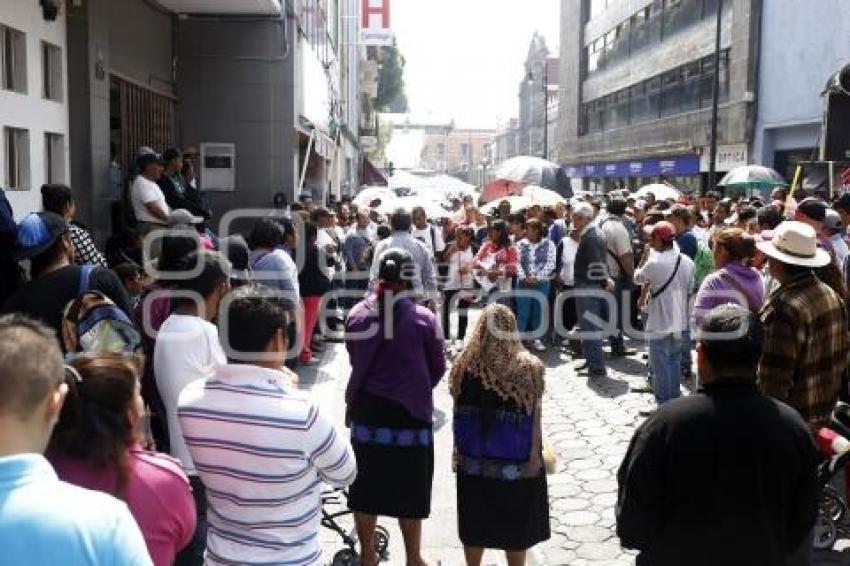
(375, 8)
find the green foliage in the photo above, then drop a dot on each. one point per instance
(391, 96)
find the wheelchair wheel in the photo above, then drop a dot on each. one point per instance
(382, 542)
(825, 532)
(832, 504)
(345, 557)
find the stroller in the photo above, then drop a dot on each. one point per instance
(348, 556)
(834, 444)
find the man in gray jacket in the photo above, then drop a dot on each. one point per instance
(591, 280)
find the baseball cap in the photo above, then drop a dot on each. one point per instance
(145, 159)
(665, 231)
(812, 207)
(37, 232)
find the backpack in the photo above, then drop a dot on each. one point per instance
(703, 263)
(93, 323)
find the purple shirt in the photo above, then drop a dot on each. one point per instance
(716, 289)
(409, 365)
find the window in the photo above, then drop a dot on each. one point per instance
(441, 150)
(51, 67)
(653, 95)
(54, 158)
(691, 86)
(13, 60)
(17, 150)
(680, 14)
(618, 50)
(706, 81)
(594, 51)
(646, 27)
(619, 111)
(671, 92)
(464, 150)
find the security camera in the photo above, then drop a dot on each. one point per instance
(50, 9)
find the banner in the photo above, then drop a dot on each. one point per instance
(375, 23)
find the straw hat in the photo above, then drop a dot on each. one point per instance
(795, 243)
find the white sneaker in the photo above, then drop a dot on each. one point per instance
(539, 345)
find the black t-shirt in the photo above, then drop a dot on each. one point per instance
(45, 298)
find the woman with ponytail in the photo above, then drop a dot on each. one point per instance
(97, 445)
(396, 351)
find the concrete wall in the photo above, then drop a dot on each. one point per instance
(666, 136)
(30, 111)
(235, 84)
(129, 38)
(803, 44)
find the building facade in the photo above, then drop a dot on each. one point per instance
(795, 66)
(267, 90)
(636, 95)
(33, 103)
(537, 91)
(459, 152)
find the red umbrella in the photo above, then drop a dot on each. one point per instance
(500, 188)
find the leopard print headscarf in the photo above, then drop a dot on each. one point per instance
(496, 356)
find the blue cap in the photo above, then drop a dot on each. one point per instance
(37, 232)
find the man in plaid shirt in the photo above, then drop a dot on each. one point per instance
(806, 342)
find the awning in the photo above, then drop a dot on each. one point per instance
(233, 7)
(677, 165)
(369, 175)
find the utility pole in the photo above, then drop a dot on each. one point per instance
(715, 102)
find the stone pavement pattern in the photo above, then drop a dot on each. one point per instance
(589, 424)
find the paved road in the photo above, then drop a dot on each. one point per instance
(589, 423)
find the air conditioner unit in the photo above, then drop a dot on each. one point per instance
(218, 167)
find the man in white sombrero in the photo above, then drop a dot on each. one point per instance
(806, 343)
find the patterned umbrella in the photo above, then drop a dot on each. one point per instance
(753, 177)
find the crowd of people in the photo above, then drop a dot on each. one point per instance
(163, 376)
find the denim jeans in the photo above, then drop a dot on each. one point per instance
(591, 344)
(529, 309)
(622, 300)
(687, 346)
(665, 360)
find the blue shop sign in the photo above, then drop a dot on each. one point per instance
(679, 165)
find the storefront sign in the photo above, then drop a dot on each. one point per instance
(375, 23)
(728, 157)
(680, 165)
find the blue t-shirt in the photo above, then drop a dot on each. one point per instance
(687, 243)
(45, 521)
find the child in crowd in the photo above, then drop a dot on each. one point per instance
(458, 292)
(132, 277)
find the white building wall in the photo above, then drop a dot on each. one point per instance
(802, 45)
(31, 111)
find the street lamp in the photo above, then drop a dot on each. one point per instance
(545, 105)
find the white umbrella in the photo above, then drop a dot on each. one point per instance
(432, 209)
(529, 170)
(659, 190)
(369, 194)
(541, 196)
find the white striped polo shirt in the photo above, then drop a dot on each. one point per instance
(262, 451)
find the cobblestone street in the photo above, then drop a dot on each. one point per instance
(589, 424)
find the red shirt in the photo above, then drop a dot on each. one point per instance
(157, 493)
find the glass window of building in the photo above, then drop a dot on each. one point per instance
(691, 76)
(706, 83)
(17, 142)
(51, 67)
(671, 92)
(709, 8)
(653, 94)
(680, 14)
(619, 109)
(13, 60)
(646, 26)
(54, 158)
(724, 76)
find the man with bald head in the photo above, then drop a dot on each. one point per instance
(46, 521)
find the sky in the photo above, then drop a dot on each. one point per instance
(465, 57)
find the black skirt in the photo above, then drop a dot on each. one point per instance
(502, 514)
(393, 480)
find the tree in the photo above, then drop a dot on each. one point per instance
(391, 96)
